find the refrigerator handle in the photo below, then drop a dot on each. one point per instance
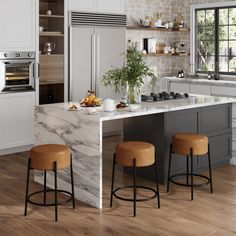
(70, 86)
(97, 64)
(93, 63)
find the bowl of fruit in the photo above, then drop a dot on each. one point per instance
(91, 102)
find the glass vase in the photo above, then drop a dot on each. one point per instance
(133, 94)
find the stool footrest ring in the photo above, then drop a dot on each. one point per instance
(189, 185)
(131, 199)
(49, 204)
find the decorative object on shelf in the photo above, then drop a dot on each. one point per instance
(159, 23)
(49, 12)
(130, 77)
(182, 45)
(143, 23)
(41, 28)
(179, 21)
(160, 48)
(149, 45)
(49, 47)
(138, 46)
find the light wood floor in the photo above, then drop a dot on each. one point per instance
(213, 215)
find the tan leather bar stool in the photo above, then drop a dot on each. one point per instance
(50, 157)
(134, 154)
(190, 145)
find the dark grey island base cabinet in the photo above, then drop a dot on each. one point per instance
(158, 129)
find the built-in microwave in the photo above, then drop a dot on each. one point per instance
(17, 71)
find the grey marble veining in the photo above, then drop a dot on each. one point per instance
(83, 133)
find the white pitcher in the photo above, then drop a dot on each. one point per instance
(109, 104)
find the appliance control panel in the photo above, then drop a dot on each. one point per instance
(16, 55)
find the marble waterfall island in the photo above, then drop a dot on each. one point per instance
(83, 133)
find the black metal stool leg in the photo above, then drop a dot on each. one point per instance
(113, 178)
(157, 185)
(187, 169)
(134, 175)
(191, 155)
(209, 163)
(72, 183)
(45, 187)
(27, 186)
(55, 190)
(168, 180)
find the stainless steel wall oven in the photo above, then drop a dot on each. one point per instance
(17, 71)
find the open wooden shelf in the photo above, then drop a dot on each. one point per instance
(158, 29)
(51, 33)
(51, 16)
(169, 54)
(50, 82)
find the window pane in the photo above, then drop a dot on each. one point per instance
(210, 33)
(223, 17)
(232, 65)
(210, 17)
(223, 33)
(200, 64)
(232, 32)
(210, 63)
(201, 17)
(206, 64)
(232, 16)
(223, 64)
(232, 48)
(206, 47)
(223, 48)
(206, 33)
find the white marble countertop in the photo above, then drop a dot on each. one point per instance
(147, 108)
(202, 81)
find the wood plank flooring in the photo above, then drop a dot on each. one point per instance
(209, 214)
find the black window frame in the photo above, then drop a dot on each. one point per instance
(217, 40)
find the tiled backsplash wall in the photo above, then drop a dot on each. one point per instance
(136, 9)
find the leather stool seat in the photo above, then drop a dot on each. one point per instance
(142, 152)
(44, 156)
(183, 142)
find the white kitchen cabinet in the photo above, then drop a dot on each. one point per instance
(202, 89)
(107, 6)
(116, 6)
(223, 91)
(82, 5)
(17, 25)
(179, 87)
(16, 120)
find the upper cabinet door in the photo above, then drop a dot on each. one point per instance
(17, 25)
(83, 5)
(115, 6)
(106, 6)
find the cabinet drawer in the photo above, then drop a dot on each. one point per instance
(179, 87)
(200, 89)
(223, 91)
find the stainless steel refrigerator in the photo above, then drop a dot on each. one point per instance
(97, 42)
